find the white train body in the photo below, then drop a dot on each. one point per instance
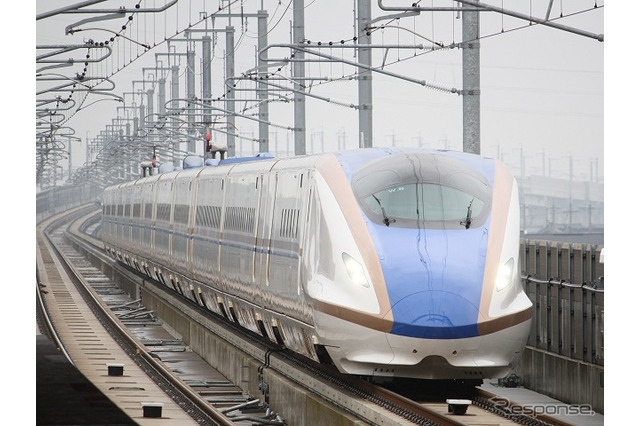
(393, 262)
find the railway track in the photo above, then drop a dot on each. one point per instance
(277, 377)
(89, 320)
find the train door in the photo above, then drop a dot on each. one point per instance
(181, 203)
(237, 258)
(107, 202)
(136, 215)
(268, 187)
(154, 215)
(147, 217)
(119, 211)
(193, 202)
(304, 202)
(163, 199)
(206, 234)
(285, 234)
(128, 212)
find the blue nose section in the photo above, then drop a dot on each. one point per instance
(435, 315)
(434, 281)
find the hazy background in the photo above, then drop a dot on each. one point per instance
(542, 89)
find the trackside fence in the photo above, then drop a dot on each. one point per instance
(564, 357)
(565, 282)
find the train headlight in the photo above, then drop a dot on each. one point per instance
(505, 275)
(355, 270)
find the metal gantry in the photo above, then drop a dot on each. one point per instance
(150, 123)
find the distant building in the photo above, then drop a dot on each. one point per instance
(559, 206)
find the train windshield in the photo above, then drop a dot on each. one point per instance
(422, 190)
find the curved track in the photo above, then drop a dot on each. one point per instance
(96, 343)
(357, 400)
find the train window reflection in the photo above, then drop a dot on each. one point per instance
(426, 202)
(422, 190)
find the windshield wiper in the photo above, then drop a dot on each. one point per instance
(385, 219)
(467, 221)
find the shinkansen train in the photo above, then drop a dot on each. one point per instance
(385, 262)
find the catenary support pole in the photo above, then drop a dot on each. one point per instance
(299, 117)
(470, 82)
(175, 94)
(365, 86)
(230, 91)
(206, 88)
(191, 94)
(263, 109)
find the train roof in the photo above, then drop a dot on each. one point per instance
(350, 160)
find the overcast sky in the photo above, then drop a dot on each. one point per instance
(542, 89)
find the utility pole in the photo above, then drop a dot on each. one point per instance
(140, 124)
(230, 71)
(197, 120)
(162, 95)
(365, 86)
(299, 111)
(206, 87)
(191, 94)
(263, 109)
(149, 107)
(70, 162)
(470, 82)
(175, 94)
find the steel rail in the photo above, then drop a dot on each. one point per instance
(96, 306)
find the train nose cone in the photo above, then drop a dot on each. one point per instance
(434, 315)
